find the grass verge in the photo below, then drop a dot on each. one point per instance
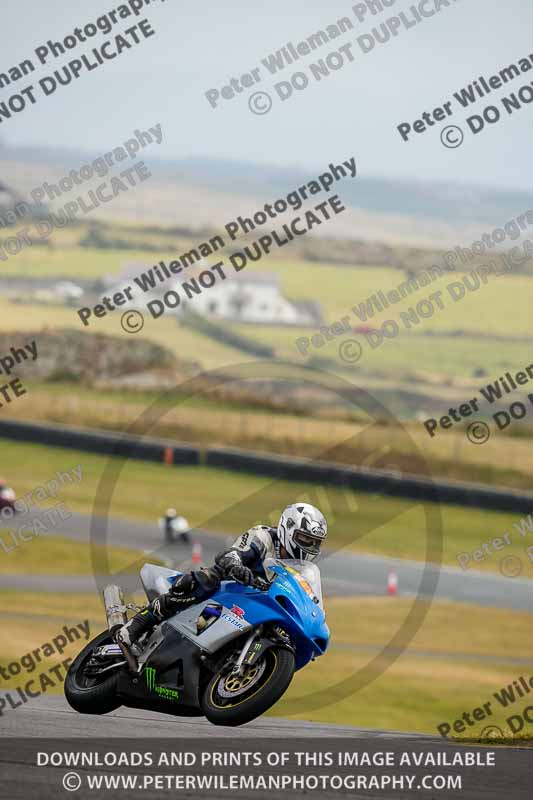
(435, 681)
(55, 555)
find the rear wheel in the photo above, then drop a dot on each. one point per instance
(87, 691)
(236, 699)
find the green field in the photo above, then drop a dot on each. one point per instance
(403, 361)
(341, 287)
(55, 555)
(409, 356)
(72, 262)
(434, 681)
(229, 502)
(501, 307)
(186, 344)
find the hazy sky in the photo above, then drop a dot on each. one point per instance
(201, 45)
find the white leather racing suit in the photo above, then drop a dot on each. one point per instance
(250, 550)
(244, 557)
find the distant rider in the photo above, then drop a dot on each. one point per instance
(172, 524)
(301, 530)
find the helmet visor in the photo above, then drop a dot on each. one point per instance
(307, 542)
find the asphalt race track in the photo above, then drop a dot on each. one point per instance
(343, 573)
(49, 727)
(50, 715)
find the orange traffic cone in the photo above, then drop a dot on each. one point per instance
(196, 554)
(392, 584)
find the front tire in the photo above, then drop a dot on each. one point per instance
(89, 695)
(275, 670)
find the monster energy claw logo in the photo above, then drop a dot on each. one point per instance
(162, 691)
(149, 674)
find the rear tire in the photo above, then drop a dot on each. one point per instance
(273, 683)
(86, 695)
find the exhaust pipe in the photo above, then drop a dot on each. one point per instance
(115, 608)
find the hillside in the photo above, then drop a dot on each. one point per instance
(199, 193)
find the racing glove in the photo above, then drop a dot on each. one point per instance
(184, 585)
(242, 574)
(207, 580)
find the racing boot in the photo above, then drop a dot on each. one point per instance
(186, 590)
(138, 625)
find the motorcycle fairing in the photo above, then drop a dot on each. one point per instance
(176, 664)
(285, 604)
(227, 627)
(175, 650)
(157, 580)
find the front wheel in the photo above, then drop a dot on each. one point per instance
(86, 691)
(236, 699)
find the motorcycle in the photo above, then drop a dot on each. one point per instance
(229, 658)
(7, 496)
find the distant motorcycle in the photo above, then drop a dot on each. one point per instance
(7, 496)
(174, 527)
(229, 658)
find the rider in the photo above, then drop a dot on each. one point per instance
(172, 524)
(301, 530)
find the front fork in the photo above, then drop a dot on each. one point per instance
(256, 644)
(242, 661)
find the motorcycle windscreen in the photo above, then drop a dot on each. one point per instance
(305, 572)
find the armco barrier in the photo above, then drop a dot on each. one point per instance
(282, 467)
(371, 480)
(100, 442)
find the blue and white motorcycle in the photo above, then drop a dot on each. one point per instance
(229, 658)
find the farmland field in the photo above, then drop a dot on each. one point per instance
(483, 310)
(438, 356)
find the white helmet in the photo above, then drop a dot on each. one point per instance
(171, 512)
(301, 530)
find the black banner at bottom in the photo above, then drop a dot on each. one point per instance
(218, 767)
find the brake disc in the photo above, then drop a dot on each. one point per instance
(235, 685)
